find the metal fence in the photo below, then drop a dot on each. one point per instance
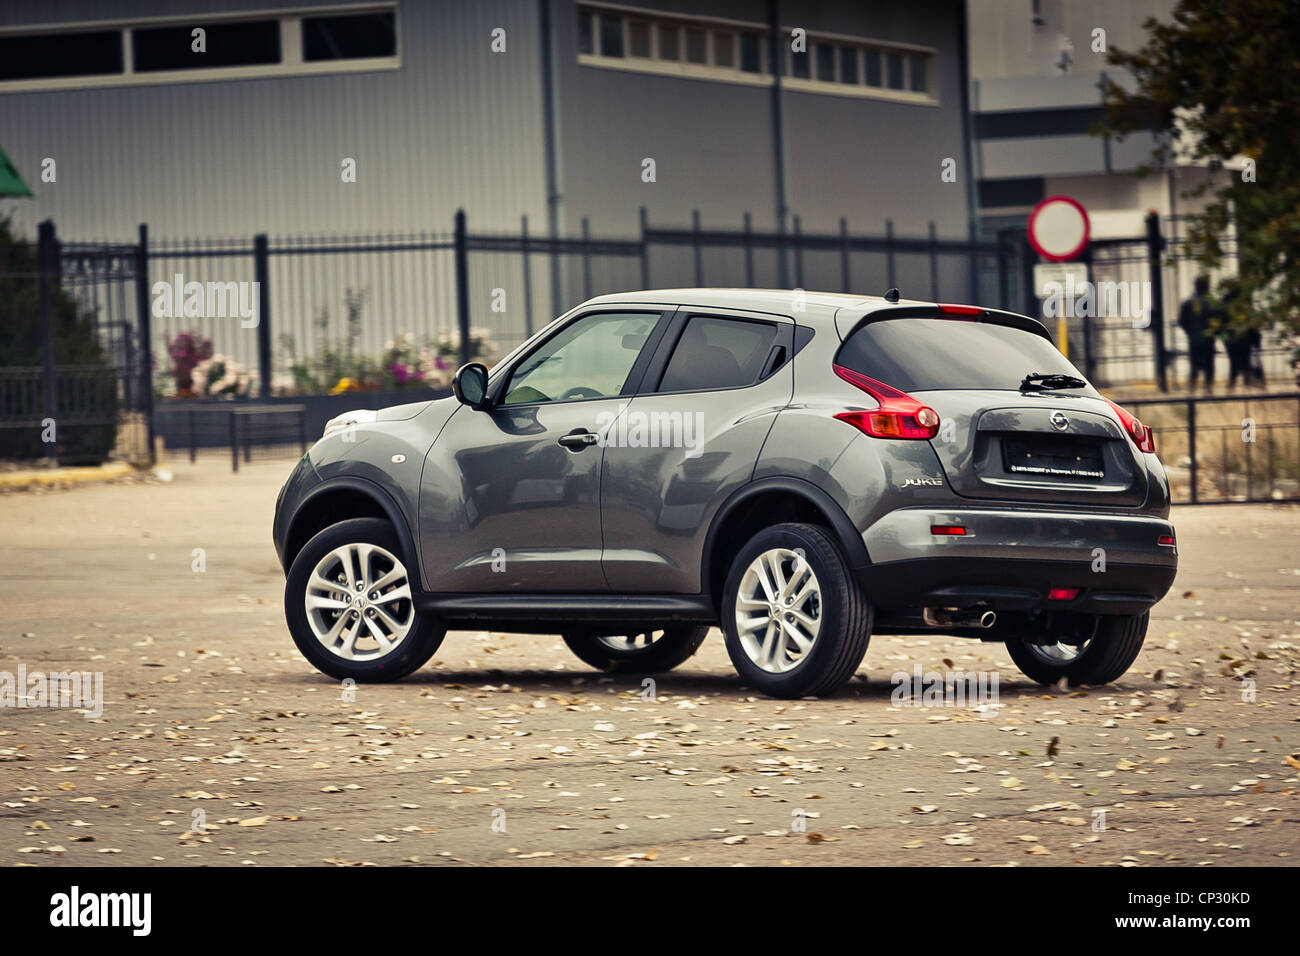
(291, 313)
(1227, 448)
(355, 295)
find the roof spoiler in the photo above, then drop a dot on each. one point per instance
(969, 313)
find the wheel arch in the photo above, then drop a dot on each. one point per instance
(763, 503)
(339, 499)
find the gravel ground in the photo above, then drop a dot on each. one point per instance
(219, 745)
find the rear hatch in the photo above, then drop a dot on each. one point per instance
(996, 440)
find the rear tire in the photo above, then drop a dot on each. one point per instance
(1104, 658)
(815, 641)
(373, 594)
(631, 654)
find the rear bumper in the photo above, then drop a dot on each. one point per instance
(1012, 559)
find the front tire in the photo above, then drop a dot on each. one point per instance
(349, 604)
(645, 652)
(797, 623)
(1104, 657)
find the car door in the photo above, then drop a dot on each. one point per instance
(688, 438)
(510, 496)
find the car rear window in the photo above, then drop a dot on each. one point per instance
(914, 354)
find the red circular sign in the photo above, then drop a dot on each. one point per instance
(1059, 228)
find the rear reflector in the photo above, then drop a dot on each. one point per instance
(899, 414)
(960, 310)
(1165, 540)
(947, 529)
(1062, 594)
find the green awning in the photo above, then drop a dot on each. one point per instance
(11, 183)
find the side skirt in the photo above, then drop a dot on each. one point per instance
(552, 613)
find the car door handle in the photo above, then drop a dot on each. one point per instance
(578, 439)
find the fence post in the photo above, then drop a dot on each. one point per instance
(460, 242)
(586, 258)
(798, 253)
(645, 251)
(528, 278)
(749, 252)
(262, 276)
(695, 242)
(1155, 246)
(934, 265)
(46, 265)
(234, 442)
(1191, 442)
(844, 254)
(144, 319)
(891, 282)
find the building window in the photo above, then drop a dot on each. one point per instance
(751, 55)
(724, 49)
(873, 67)
(799, 62)
(352, 37)
(250, 43)
(918, 73)
(638, 38)
(668, 43)
(611, 35)
(894, 70)
(825, 63)
(28, 57)
(697, 46)
(679, 44)
(236, 46)
(849, 65)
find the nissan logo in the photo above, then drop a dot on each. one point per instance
(1059, 421)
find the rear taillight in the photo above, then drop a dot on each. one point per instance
(899, 414)
(1141, 434)
(960, 310)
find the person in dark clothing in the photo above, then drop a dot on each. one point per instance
(1241, 346)
(1197, 318)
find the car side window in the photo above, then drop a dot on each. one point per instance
(589, 358)
(718, 353)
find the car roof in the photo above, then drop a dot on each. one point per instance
(840, 310)
(821, 305)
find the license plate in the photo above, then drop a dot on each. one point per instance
(1058, 458)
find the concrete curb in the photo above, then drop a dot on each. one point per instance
(63, 476)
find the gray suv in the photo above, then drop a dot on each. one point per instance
(799, 469)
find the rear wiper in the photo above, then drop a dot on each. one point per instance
(1043, 381)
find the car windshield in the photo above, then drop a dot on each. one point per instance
(917, 354)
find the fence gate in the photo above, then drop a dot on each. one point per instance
(82, 388)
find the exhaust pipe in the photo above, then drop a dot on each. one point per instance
(957, 617)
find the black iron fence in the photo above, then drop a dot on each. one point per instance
(265, 317)
(1227, 448)
(298, 314)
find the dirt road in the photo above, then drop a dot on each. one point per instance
(219, 745)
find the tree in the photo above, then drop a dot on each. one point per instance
(1221, 79)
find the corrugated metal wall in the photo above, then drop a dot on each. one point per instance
(456, 125)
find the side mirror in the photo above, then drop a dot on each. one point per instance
(470, 385)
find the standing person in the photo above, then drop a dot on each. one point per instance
(1195, 318)
(1242, 347)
